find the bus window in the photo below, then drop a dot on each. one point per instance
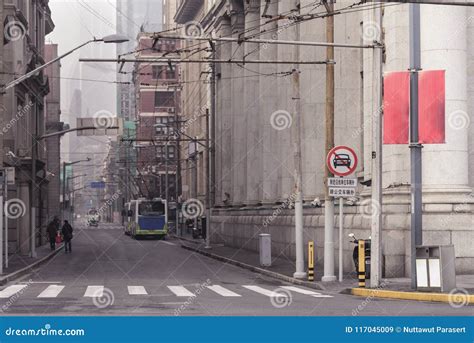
(155, 208)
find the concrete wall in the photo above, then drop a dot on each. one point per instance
(443, 225)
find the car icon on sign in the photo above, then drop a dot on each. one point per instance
(342, 160)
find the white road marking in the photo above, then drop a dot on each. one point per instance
(137, 290)
(265, 291)
(94, 291)
(169, 243)
(52, 291)
(223, 291)
(306, 292)
(180, 291)
(11, 290)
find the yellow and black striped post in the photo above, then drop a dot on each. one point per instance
(361, 263)
(310, 261)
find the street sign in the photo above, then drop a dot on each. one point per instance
(98, 184)
(341, 161)
(341, 182)
(342, 192)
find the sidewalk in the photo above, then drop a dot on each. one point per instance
(283, 268)
(20, 265)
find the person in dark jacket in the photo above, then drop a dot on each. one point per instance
(52, 232)
(67, 234)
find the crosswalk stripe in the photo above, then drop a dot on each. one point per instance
(52, 291)
(180, 291)
(223, 291)
(137, 290)
(11, 290)
(306, 292)
(94, 291)
(265, 291)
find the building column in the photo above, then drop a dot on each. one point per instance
(445, 166)
(223, 143)
(252, 98)
(239, 147)
(282, 120)
(269, 105)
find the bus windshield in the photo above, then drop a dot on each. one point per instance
(151, 208)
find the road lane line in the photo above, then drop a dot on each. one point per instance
(94, 291)
(306, 292)
(137, 290)
(11, 290)
(223, 291)
(180, 291)
(169, 243)
(265, 291)
(52, 291)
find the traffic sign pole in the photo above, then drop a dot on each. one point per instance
(341, 228)
(341, 161)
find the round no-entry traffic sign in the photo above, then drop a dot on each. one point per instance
(342, 161)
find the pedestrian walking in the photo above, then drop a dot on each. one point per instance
(51, 229)
(67, 234)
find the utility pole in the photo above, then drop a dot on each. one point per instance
(210, 117)
(178, 156)
(296, 134)
(34, 143)
(376, 227)
(329, 202)
(415, 146)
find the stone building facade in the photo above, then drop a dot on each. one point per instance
(254, 153)
(25, 25)
(157, 114)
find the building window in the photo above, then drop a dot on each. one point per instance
(170, 74)
(171, 152)
(156, 72)
(164, 99)
(163, 128)
(164, 154)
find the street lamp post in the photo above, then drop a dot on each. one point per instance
(117, 39)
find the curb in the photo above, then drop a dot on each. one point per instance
(185, 239)
(466, 299)
(15, 275)
(255, 269)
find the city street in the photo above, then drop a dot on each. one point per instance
(108, 273)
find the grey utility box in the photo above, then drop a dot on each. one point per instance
(435, 268)
(265, 244)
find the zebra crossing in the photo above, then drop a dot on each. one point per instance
(181, 291)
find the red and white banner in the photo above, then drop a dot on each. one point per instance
(431, 107)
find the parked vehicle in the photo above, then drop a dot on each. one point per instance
(355, 254)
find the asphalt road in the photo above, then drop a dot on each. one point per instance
(109, 273)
